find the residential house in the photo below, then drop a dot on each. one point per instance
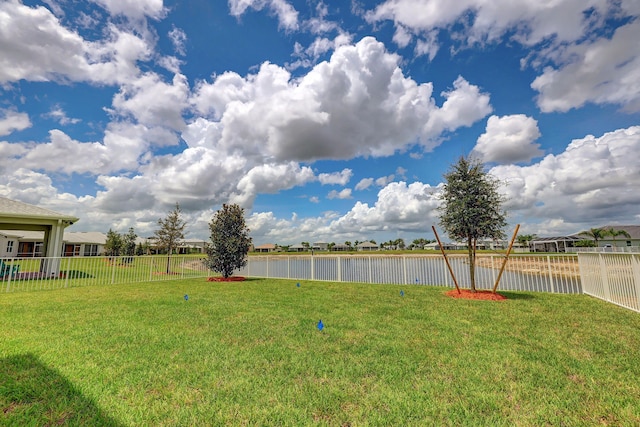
(340, 247)
(633, 241)
(367, 246)
(320, 246)
(17, 218)
(266, 248)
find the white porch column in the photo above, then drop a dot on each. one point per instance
(51, 266)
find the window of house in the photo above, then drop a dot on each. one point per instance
(71, 250)
(39, 249)
(90, 250)
(10, 246)
(628, 242)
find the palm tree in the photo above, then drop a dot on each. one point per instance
(615, 233)
(596, 234)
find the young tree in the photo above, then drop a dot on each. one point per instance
(525, 239)
(113, 244)
(170, 233)
(230, 240)
(129, 243)
(471, 207)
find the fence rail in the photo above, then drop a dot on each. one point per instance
(30, 274)
(613, 277)
(547, 273)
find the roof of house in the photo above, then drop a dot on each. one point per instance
(367, 245)
(266, 246)
(93, 237)
(14, 208)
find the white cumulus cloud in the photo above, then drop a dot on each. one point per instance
(336, 178)
(509, 139)
(594, 180)
(286, 13)
(342, 194)
(11, 121)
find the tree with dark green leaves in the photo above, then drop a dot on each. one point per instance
(113, 244)
(525, 239)
(230, 241)
(129, 243)
(171, 231)
(471, 207)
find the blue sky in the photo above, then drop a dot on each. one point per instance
(326, 123)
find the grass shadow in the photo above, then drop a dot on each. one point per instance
(516, 295)
(33, 394)
(76, 274)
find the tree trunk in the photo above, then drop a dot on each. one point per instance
(471, 245)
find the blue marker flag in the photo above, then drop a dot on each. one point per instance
(401, 293)
(320, 325)
(298, 284)
(186, 297)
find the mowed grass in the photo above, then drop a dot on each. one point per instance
(249, 353)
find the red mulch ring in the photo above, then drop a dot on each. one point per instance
(228, 279)
(478, 295)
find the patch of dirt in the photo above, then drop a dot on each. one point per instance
(227, 279)
(534, 265)
(477, 295)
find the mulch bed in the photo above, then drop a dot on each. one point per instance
(228, 279)
(477, 295)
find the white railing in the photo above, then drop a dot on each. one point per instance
(609, 249)
(545, 273)
(30, 274)
(613, 277)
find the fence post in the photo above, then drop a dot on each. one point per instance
(493, 270)
(339, 268)
(288, 267)
(404, 267)
(313, 266)
(553, 283)
(113, 270)
(605, 278)
(635, 266)
(66, 276)
(370, 278)
(10, 270)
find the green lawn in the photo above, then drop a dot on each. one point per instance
(249, 353)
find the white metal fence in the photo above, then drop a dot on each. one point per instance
(546, 273)
(613, 277)
(608, 249)
(30, 274)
